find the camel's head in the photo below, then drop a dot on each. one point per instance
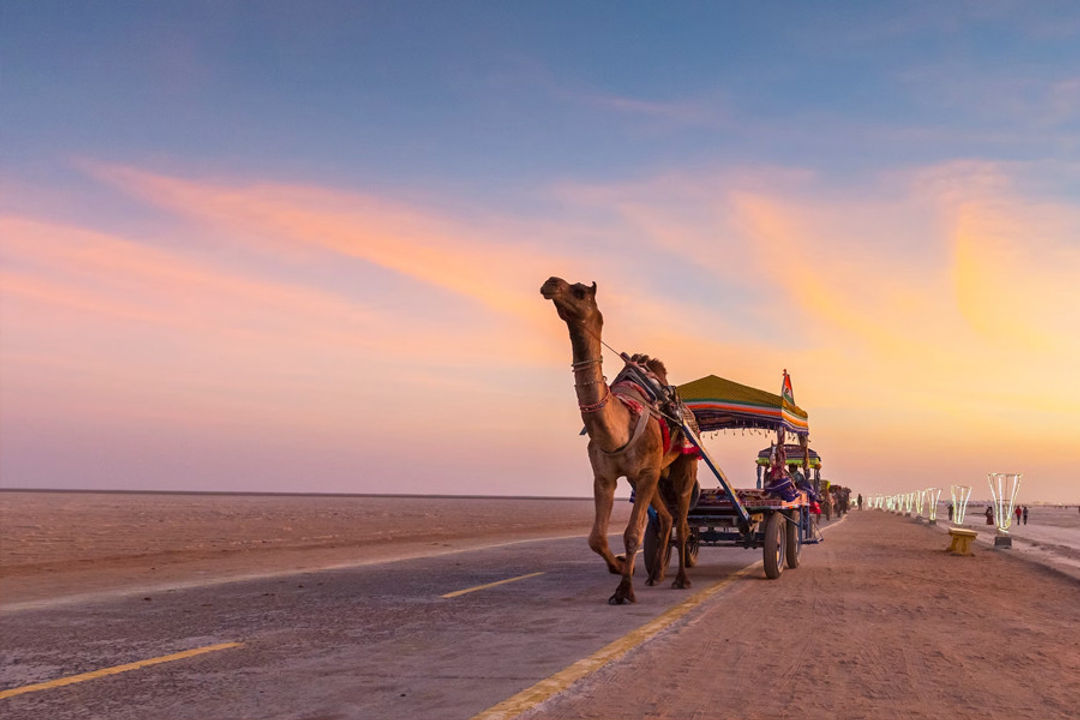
(574, 303)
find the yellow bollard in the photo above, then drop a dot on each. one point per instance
(961, 541)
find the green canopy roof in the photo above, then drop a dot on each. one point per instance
(720, 404)
(794, 455)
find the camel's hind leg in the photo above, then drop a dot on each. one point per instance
(604, 498)
(683, 476)
(664, 517)
(644, 489)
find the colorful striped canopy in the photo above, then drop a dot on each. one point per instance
(793, 453)
(720, 404)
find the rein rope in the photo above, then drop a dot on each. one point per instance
(599, 404)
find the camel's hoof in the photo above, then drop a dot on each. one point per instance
(651, 581)
(623, 594)
(681, 583)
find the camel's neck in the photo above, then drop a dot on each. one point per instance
(607, 426)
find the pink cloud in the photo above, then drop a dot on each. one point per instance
(431, 249)
(926, 318)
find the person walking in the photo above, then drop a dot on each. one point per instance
(950, 512)
(989, 514)
(1019, 512)
(1025, 514)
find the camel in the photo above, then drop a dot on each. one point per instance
(622, 444)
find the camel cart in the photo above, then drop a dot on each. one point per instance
(779, 524)
(795, 459)
(794, 455)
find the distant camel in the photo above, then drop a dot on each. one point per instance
(623, 443)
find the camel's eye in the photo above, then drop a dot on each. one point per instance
(579, 292)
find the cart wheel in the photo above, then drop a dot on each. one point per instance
(649, 544)
(693, 545)
(775, 539)
(793, 546)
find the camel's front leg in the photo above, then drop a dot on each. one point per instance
(644, 488)
(604, 497)
(659, 566)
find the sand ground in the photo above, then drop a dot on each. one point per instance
(56, 545)
(878, 623)
(1052, 536)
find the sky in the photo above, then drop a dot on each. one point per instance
(297, 247)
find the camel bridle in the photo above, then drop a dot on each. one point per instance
(585, 364)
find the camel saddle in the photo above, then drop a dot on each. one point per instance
(641, 390)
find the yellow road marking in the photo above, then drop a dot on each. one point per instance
(490, 585)
(541, 691)
(832, 525)
(71, 679)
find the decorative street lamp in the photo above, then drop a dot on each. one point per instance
(933, 496)
(961, 536)
(960, 496)
(1003, 487)
(920, 500)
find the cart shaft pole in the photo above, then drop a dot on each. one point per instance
(744, 517)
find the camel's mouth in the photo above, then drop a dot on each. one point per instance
(554, 286)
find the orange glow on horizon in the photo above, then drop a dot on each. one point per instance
(928, 329)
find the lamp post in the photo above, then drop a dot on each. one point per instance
(933, 497)
(960, 496)
(961, 536)
(1003, 488)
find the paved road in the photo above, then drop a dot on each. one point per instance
(369, 642)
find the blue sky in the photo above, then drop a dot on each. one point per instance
(482, 97)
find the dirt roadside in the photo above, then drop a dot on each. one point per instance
(62, 546)
(879, 622)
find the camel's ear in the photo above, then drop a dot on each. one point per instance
(592, 290)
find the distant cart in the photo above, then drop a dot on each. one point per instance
(797, 458)
(750, 518)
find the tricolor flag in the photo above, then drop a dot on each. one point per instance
(786, 392)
